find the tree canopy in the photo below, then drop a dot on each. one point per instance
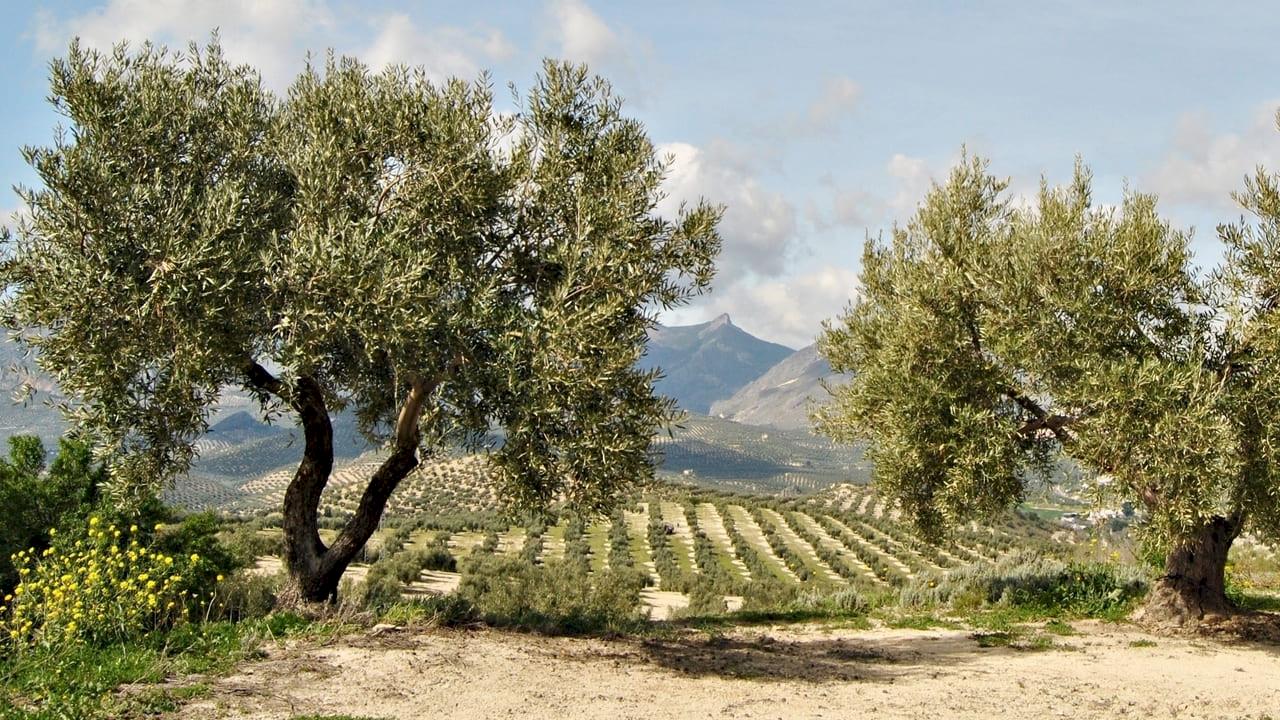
(989, 340)
(369, 241)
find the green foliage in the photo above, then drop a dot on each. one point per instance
(374, 236)
(246, 543)
(557, 597)
(100, 585)
(79, 681)
(1031, 581)
(987, 339)
(245, 596)
(37, 497)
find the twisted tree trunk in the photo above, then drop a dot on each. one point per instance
(1193, 586)
(314, 569)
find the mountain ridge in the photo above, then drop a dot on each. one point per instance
(782, 395)
(707, 362)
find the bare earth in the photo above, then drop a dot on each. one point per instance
(791, 672)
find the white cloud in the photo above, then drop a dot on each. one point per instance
(584, 37)
(912, 178)
(839, 96)
(908, 181)
(759, 225)
(271, 36)
(1203, 169)
(580, 35)
(444, 52)
(786, 310)
(275, 37)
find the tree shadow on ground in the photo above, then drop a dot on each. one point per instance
(813, 660)
(1257, 629)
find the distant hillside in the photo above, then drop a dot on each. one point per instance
(708, 362)
(251, 475)
(780, 398)
(37, 416)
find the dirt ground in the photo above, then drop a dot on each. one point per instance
(791, 672)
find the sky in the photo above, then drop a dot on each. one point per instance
(816, 124)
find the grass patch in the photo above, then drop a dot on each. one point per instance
(917, 621)
(1058, 627)
(1254, 601)
(1017, 638)
(1142, 643)
(86, 681)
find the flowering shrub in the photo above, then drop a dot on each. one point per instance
(100, 587)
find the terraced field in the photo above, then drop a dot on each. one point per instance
(684, 539)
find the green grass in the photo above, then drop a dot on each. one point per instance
(84, 681)
(597, 535)
(915, 621)
(1058, 627)
(1142, 643)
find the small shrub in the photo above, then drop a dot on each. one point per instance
(244, 596)
(1031, 580)
(97, 587)
(438, 557)
(380, 591)
(246, 544)
(844, 602)
(705, 600)
(556, 597)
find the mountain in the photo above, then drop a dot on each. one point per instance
(708, 362)
(37, 415)
(781, 397)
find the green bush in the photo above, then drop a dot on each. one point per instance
(1031, 580)
(244, 596)
(99, 584)
(704, 599)
(556, 597)
(379, 591)
(36, 497)
(437, 556)
(247, 544)
(843, 602)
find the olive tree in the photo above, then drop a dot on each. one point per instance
(989, 341)
(369, 241)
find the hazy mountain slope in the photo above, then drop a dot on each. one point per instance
(780, 397)
(37, 416)
(708, 362)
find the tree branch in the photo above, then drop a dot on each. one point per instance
(1043, 420)
(262, 379)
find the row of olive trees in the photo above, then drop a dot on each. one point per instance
(378, 242)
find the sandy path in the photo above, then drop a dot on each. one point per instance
(511, 542)
(638, 527)
(682, 538)
(792, 673)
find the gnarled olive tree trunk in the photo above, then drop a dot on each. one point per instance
(1193, 586)
(315, 569)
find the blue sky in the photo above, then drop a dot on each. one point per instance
(814, 122)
